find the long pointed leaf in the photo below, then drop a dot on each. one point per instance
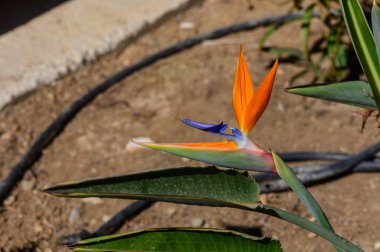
(291, 53)
(355, 93)
(335, 239)
(302, 193)
(179, 240)
(375, 18)
(305, 29)
(203, 186)
(363, 42)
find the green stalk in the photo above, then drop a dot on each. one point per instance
(340, 243)
(303, 194)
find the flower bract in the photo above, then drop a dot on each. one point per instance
(237, 150)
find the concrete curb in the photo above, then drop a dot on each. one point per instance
(75, 32)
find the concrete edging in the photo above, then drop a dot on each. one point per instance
(34, 54)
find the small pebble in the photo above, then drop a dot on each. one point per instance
(6, 136)
(311, 235)
(376, 246)
(106, 218)
(94, 171)
(186, 25)
(92, 200)
(9, 200)
(27, 185)
(280, 106)
(197, 222)
(74, 214)
(373, 184)
(37, 228)
(264, 199)
(171, 211)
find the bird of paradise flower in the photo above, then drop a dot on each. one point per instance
(237, 150)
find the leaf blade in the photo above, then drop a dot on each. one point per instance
(305, 29)
(179, 239)
(363, 41)
(302, 193)
(291, 179)
(355, 93)
(375, 18)
(223, 201)
(335, 239)
(200, 186)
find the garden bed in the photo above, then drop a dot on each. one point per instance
(195, 84)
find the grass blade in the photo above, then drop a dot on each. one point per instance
(305, 29)
(290, 53)
(271, 30)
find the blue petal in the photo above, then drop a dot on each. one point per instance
(218, 129)
(237, 132)
(209, 127)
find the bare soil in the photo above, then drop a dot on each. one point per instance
(195, 84)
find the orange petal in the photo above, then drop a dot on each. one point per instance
(242, 90)
(260, 100)
(216, 145)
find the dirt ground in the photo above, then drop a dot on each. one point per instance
(195, 84)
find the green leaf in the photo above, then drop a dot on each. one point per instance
(335, 47)
(305, 29)
(355, 93)
(335, 239)
(179, 239)
(302, 193)
(332, 42)
(364, 44)
(341, 56)
(285, 52)
(375, 18)
(271, 30)
(298, 75)
(201, 186)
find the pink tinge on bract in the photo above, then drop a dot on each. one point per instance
(246, 159)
